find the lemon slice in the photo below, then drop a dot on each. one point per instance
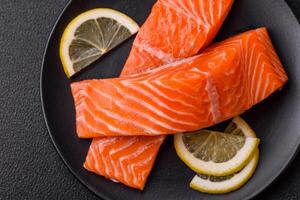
(217, 153)
(92, 34)
(225, 184)
(238, 126)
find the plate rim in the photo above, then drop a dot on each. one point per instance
(82, 182)
(266, 185)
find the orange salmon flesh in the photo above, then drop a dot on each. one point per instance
(194, 93)
(176, 30)
(227, 79)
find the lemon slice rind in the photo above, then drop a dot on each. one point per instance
(69, 32)
(229, 185)
(216, 169)
(246, 129)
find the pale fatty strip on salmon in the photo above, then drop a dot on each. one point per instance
(195, 24)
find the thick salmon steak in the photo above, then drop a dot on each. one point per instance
(194, 93)
(122, 159)
(194, 23)
(256, 72)
(175, 29)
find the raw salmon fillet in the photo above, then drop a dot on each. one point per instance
(194, 23)
(122, 159)
(222, 82)
(175, 29)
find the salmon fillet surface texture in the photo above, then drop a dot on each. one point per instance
(174, 30)
(194, 93)
(172, 25)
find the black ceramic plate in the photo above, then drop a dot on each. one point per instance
(276, 120)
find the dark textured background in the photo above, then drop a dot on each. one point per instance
(30, 168)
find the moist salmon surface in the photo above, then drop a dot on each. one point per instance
(175, 29)
(194, 23)
(228, 78)
(222, 82)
